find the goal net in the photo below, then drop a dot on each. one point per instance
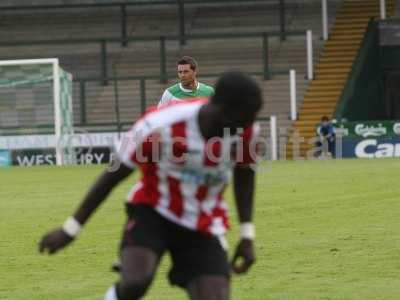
(36, 99)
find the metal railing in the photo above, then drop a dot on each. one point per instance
(104, 77)
(162, 40)
(118, 125)
(143, 99)
(180, 6)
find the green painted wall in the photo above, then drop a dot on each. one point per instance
(362, 97)
(390, 58)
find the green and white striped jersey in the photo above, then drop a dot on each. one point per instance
(178, 93)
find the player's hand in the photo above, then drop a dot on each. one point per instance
(54, 241)
(244, 256)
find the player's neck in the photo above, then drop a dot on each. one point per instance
(209, 121)
(192, 86)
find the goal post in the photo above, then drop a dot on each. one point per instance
(42, 74)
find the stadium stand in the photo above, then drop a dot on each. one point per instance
(142, 58)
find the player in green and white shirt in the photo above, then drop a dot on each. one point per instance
(188, 87)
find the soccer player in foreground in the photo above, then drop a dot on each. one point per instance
(186, 153)
(189, 86)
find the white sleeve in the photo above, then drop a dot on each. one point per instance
(165, 98)
(130, 141)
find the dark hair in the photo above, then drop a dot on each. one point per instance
(188, 60)
(324, 118)
(237, 89)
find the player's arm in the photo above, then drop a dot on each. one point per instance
(61, 237)
(243, 179)
(243, 182)
(99, 191)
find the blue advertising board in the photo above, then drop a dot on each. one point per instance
(5, 158)
(370, 147)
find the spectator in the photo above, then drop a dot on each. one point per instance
(326, 133)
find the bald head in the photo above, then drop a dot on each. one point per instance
(239, 97)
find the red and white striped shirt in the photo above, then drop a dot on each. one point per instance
(183, 174)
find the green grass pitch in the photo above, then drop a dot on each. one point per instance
(325, 230)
